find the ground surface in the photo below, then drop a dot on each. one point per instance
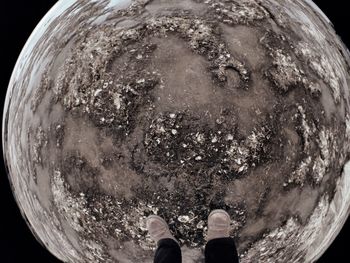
(116, 111)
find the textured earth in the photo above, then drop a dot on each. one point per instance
(117, 110)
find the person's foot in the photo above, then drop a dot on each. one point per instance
(158, 228)
(218, 224)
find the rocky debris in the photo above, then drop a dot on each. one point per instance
(204, 38)
(75, 211)
(285, 71)
(307, 128)
(299, 176)
(314, 165)
(59, 133)
(113, 102)
(321, 65)
(79, 173)
(44, 86)
(238, 12)
(278, 244)
(180, 142)
(40, 141)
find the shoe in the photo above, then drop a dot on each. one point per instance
(218, 224)
(158, 228)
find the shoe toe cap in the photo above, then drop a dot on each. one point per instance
(219, 218)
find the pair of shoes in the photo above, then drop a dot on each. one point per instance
(218, 226)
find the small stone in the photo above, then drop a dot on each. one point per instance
(200, 224)
(97, 92)
(200, 137)
(229, 137)
(220, 120)
(183, 218)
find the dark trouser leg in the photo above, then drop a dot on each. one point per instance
(221, 250)
(168, 251)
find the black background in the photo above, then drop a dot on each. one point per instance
(18, 19)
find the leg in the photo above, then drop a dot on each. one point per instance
(222, 250)
(168, 251)
(220, 247)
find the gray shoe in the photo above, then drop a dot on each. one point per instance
(158, 228)
(218, 224)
